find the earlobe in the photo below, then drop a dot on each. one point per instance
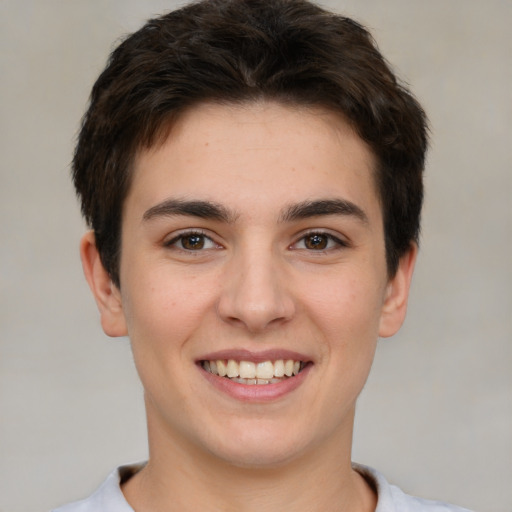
(106, 293)
(397, 294)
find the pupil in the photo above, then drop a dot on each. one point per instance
(193, 242)
(318, 242)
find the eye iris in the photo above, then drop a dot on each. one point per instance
(317, 242)
(193, 242)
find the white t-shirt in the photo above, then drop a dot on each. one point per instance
(109, 497)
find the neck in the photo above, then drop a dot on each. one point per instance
(181, 477)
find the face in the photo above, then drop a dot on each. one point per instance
(253, 282)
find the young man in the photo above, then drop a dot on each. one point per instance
(252, 173)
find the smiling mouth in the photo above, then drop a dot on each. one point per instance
(250, 373)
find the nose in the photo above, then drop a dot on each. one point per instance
(254, 293)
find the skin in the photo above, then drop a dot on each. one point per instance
(254, 281)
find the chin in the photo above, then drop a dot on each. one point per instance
(257, 458)
(258, 448)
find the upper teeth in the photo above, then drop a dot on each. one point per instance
(251, 370)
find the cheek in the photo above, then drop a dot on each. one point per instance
(163, 315)
(164, 309)
(347, 309)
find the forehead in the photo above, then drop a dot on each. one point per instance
(262, 152)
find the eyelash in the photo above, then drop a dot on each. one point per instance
(173, 243)
(331, 239)
(205, 239)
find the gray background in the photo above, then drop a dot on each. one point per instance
(436, 415)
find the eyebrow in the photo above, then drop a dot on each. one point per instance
(216, 211)
(323, 207)
(195, 208)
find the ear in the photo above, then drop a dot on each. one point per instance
(106, 293)
(397, 295)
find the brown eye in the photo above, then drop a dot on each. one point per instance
(193, 242)
(316, 242)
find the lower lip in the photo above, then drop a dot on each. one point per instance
(256, 392)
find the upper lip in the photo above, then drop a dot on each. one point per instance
(256, 357)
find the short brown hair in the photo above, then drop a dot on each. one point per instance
(290, 51)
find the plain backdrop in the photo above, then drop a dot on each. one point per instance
(436, 414)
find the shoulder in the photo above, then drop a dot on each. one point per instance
(393, 499)
(108, 497)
